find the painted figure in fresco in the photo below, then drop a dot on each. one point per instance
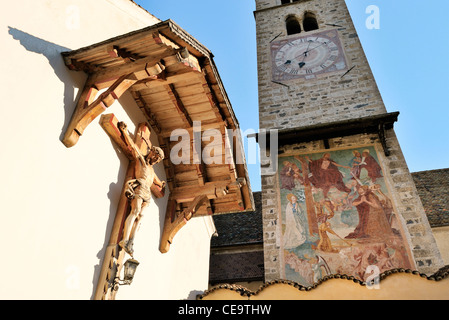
(294, 232)
(319, 265)
(289, 174)
(349, 200)
(355, 164)
(376, 254)
(385, 201)
(373, 221)
(371, 165)
(325, 211)
(304, 267)
(324, 174)
(324, 227)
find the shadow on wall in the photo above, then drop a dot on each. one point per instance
(193, 295)
(52, 52)
(71, 80)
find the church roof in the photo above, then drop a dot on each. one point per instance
(240, 228)
(142, 8)
(236, 267)
(237, 252)
(433, 189)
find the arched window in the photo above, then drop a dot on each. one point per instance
(310, 23)
(293, 25)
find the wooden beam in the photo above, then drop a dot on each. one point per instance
(171, 75)
(76, 65)
(86, 112)
(196, 197)
(212, 190)
(214, 102)
(232, 168)
(202, 180)
(147, 67)
(172, 226)
(204, 126)
(117, 80)
(164, 144)
(176, 100)
(383, 140)
(145, 108)
(115, 51)
(173, 223)
(110, 124)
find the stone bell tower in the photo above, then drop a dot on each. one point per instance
(342, 200)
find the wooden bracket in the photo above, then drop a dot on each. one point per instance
(116, 81)
(383, 139)
(195, 197)
(116, 51)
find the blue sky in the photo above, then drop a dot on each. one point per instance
(408, 54)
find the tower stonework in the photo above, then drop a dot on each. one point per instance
(342, 200)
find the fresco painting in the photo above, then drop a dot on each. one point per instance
(337, 216)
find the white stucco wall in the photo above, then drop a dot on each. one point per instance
(58, 204)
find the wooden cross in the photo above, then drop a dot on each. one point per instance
(115, 254)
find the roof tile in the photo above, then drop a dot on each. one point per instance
(433, 189)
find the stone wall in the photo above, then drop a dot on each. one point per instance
(326, 99)
(406, 201)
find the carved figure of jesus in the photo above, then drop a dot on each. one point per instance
(138, 190)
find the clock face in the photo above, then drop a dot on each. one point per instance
(307, 56)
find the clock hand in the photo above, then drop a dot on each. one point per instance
(316, 47)
(305, 53)
(307, 50)
(302, 63)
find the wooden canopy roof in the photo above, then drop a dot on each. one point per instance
(175, 83)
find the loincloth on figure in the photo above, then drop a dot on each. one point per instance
(138, 188)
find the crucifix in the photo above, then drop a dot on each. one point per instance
(138, 189)
(141, 183)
